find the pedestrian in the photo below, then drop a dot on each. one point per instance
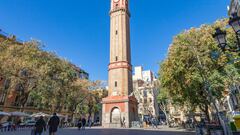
(202, 126)
(40, 126)
(154, 122)
(89, 121)
(53, 124)
(79, 124)
(83, 123)
(124, 122)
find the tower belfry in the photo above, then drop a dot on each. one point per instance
(119, 107)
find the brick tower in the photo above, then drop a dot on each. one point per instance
(120, 105)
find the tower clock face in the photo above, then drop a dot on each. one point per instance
(115, 1)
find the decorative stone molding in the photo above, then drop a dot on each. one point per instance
(120, 64)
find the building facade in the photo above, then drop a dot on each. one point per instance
(145, 90)
(234, 7)
(119, 108)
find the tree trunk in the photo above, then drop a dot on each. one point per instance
(167, 117)
(162, 107)
(206, 111)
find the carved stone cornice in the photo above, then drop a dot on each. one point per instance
(120, 64)
(120, 9)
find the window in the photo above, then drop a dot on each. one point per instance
(2, 98)
(150, 91)
(150, 100)
(116, 84)
(116, 32)
(145, 93)
(116, 58)
(145, 101)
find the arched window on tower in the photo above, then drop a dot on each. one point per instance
(115, 83)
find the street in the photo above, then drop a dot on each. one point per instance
(100, 131)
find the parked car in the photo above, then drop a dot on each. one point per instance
(30, 123)
(7, 126)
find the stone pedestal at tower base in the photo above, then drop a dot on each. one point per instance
(118, 108)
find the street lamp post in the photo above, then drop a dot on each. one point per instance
(220, 36)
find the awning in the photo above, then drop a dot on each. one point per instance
(40, 114)
(61, 116)
(4, 114)
(19, 114)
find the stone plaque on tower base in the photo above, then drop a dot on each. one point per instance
(119, 111)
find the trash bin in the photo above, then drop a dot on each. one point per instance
(233, 127)
(237, 121)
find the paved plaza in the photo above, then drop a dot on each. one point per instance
(100, 131)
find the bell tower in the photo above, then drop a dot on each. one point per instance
(120, 107)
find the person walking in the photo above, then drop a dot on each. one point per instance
(89, 121)
(123, 122)
(83, 123)
(53, 124)
(202, 126)
(79, 124)
(154, 122)
(40, 126)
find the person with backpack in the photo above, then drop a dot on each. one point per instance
(53, 124)
(40, 126)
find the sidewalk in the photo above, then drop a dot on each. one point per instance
(160, 128)
(166, 128)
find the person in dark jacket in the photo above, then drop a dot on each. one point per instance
(53, 124)
(40, 126)
(83, 123)
(79, 124)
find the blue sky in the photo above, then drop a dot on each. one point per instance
(79, 29)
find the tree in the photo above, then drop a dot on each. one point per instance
(163, 102)
(97, 92)
(76, 95)
(189, 74)
(50, 82)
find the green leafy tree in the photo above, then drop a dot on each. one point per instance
(76, 95)
(189, 73)
(49, 81)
